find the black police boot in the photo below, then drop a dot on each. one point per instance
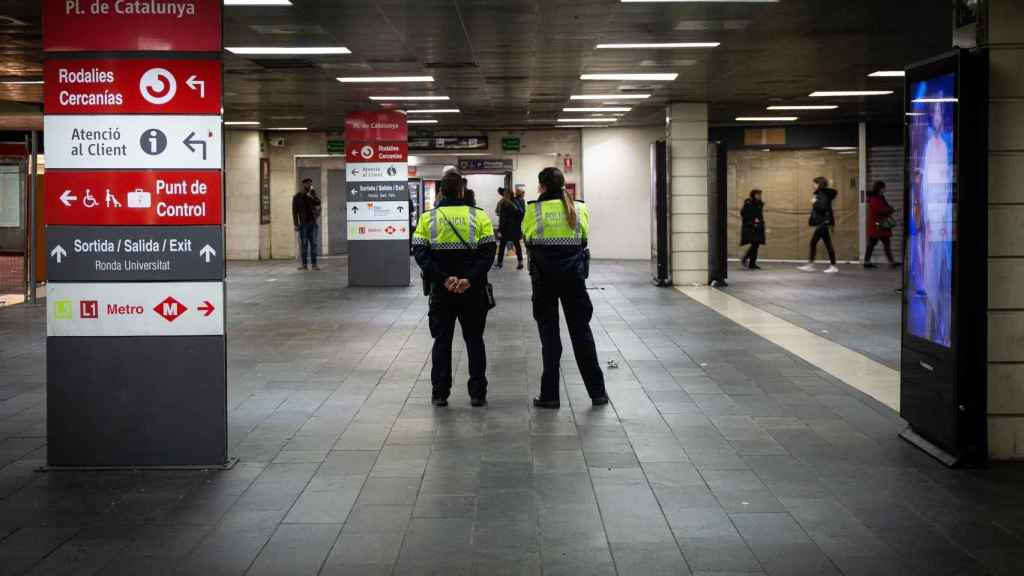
(478, 402)
(550, 404)
(599, 401)
(439, 402)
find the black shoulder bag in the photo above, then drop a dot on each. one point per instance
(488, 288)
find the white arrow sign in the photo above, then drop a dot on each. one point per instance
(207, 252)
(67, 198)
(193, 82)
(59, 253)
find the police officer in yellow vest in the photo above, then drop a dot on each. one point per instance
(555, 229)
(454, 245)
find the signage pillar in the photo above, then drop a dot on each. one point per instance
(378, 208)
(135, 350)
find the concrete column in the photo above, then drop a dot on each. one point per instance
(242, 182)
(687, 124)
(1006, 230)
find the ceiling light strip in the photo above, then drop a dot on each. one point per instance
(609, 96)
(599, 109)
(767, 118)
(383, 79)
(287, 50)
(808, 107)
(409, 98)
(648, 77)
(657, 45)
(849, 93)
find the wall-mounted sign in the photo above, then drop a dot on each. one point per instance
(510, 144)
(120, 142)
(336, 147)
(382, 230)
(427, 141)
(125, 254)
(377, 152)
(133, 198)
(383, 126)
(137, 309)
(377, 211)
(132, 86)
(486, 164)
(264, 190)
(131, 25)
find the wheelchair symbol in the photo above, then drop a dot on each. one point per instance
(90, 200)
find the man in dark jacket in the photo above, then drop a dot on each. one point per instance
(305, 212)
(752, 232)
(822, 220)
(510, 221)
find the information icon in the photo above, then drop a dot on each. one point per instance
(153, 142)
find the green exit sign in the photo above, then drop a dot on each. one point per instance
(510, 144)
(336, 147)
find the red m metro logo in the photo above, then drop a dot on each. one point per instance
(170, 309)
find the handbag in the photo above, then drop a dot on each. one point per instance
(488, 288)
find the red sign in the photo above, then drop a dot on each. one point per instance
(377, 151)
(133, 198)
(132, 86)
(128, 25)
(383, 126)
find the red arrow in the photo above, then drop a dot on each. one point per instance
(206, 308)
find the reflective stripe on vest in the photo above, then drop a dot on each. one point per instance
(448, 225)
(575, 237)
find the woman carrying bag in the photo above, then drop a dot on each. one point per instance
(880, 224)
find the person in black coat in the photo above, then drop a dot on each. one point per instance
(510, 219)
(752, 232)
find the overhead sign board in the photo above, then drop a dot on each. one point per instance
(377, 211)
(131, 141)
(428, 141)
(144, 253)
(186, 198)
(382, 230)
(132, 86)
(131, 25)
(138, 309)
(381, 126)
(377, 152)
(486, 164)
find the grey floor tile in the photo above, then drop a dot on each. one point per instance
(296, 549)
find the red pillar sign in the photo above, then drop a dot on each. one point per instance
(136, 350)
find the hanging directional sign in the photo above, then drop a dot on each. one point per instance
(146, 25)
(120, 142)
(383, 126)
(377, 172)
(132, 86)
(133, 198)
(130, 253)
(137, 309)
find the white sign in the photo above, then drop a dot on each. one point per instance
(377, 211)
(136, 309)
(395, 230)
(132, 141)
(376, 172)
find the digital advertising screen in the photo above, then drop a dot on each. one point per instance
(931, 230)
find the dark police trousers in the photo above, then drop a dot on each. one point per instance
(572, 291)
(470, 309)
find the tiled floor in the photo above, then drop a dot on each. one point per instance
(857, 308)
(721, 454)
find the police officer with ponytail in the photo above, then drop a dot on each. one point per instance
(555, 229)
(454, 245)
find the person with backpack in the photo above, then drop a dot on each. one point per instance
(822, 220)
(880, 224)
(555, 229)
(454, 247)
(752, 232)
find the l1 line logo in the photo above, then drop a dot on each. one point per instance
(144, 25)
(132, 86)
(186, 198)
(132, 141)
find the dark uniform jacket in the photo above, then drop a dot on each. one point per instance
(441, 260)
